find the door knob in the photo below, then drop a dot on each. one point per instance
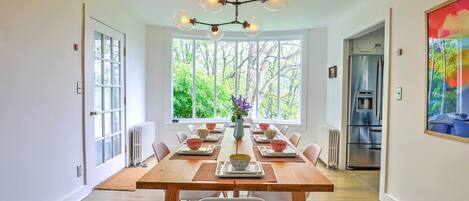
(94, 113)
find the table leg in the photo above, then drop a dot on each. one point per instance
(172, 194)
(236, 194)
(298, 196)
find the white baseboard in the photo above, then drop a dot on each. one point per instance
(78, 194)
(388, 197)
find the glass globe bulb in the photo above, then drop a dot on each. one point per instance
(184, 20)
(252, 27)
(215, 34)
(275, 5)
(212, 6)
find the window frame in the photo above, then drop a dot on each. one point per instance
(301, 36)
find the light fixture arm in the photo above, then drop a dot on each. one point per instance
(236, 4)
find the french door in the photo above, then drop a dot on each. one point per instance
(104, 105)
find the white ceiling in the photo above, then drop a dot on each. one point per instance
(299, 14)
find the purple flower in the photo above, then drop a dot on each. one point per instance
(240, 106)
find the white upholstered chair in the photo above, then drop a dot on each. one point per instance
(182, 136)
(295, 139)
(192, 129)
(284, 130)
(232, 199)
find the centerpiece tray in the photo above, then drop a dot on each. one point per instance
(225, 170)
(267, 151)
(204, 150)
(217, 130)
(264, 139)
(256, 131)
(212, 138)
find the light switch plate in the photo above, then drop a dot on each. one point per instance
(399, 93)
(79, 87)
(79, 171)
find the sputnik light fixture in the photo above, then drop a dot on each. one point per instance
(252, 27)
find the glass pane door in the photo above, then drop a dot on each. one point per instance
(107, 96)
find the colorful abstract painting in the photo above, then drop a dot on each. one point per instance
(448, 69)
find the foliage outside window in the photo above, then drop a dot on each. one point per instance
(206, 74)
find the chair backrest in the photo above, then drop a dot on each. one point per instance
(312, 152)
(461, 128)
(232, 199)
(191, 128)
(161, 150)
(284, 130)
(182, 136)
(249, 121)
(295, 139)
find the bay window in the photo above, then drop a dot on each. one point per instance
(267, 72)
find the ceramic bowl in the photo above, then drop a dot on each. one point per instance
(264, 126)
(211, 126)
(240, 161)
(203, 133)
(194, 143)
(270, 133)
(278, 145)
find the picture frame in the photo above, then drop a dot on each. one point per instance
(333, 72)
(447, 80)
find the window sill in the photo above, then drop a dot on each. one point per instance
(224, 121)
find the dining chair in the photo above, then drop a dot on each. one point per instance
(249, 121)
(284, 130)
(295, 139)
(191, 128)
(312, 153)
(232, 199)
(182, 136)
(161, 151)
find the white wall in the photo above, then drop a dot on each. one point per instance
(365, 15)
(40, 112)
(159, 82)
(420, 167)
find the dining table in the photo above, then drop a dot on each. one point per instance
(297, 177)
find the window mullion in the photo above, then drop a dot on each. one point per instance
(215, 80)
(193, 79)
(278, 79)
(237, 78)
(257, 79)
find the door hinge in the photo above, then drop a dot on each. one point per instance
(125, 101)
(125, 51)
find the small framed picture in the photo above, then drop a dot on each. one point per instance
(333, 72)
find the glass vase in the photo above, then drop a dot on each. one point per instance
(239, 129)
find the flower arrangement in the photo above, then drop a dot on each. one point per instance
(240, 107)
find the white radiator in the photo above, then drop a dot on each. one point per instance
(141, 139)
(329, 139)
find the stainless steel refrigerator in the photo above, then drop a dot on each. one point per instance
(365, 111)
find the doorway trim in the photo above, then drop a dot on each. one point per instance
(386, 96)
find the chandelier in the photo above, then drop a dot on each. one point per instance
(252, 27)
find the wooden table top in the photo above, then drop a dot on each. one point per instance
(291, 176)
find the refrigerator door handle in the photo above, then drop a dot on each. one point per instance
(377, 94)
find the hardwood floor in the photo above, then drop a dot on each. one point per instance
(349, 186)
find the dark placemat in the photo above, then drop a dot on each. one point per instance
(260, 158)
(206, 172)
(214, 156)
(258, 143)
